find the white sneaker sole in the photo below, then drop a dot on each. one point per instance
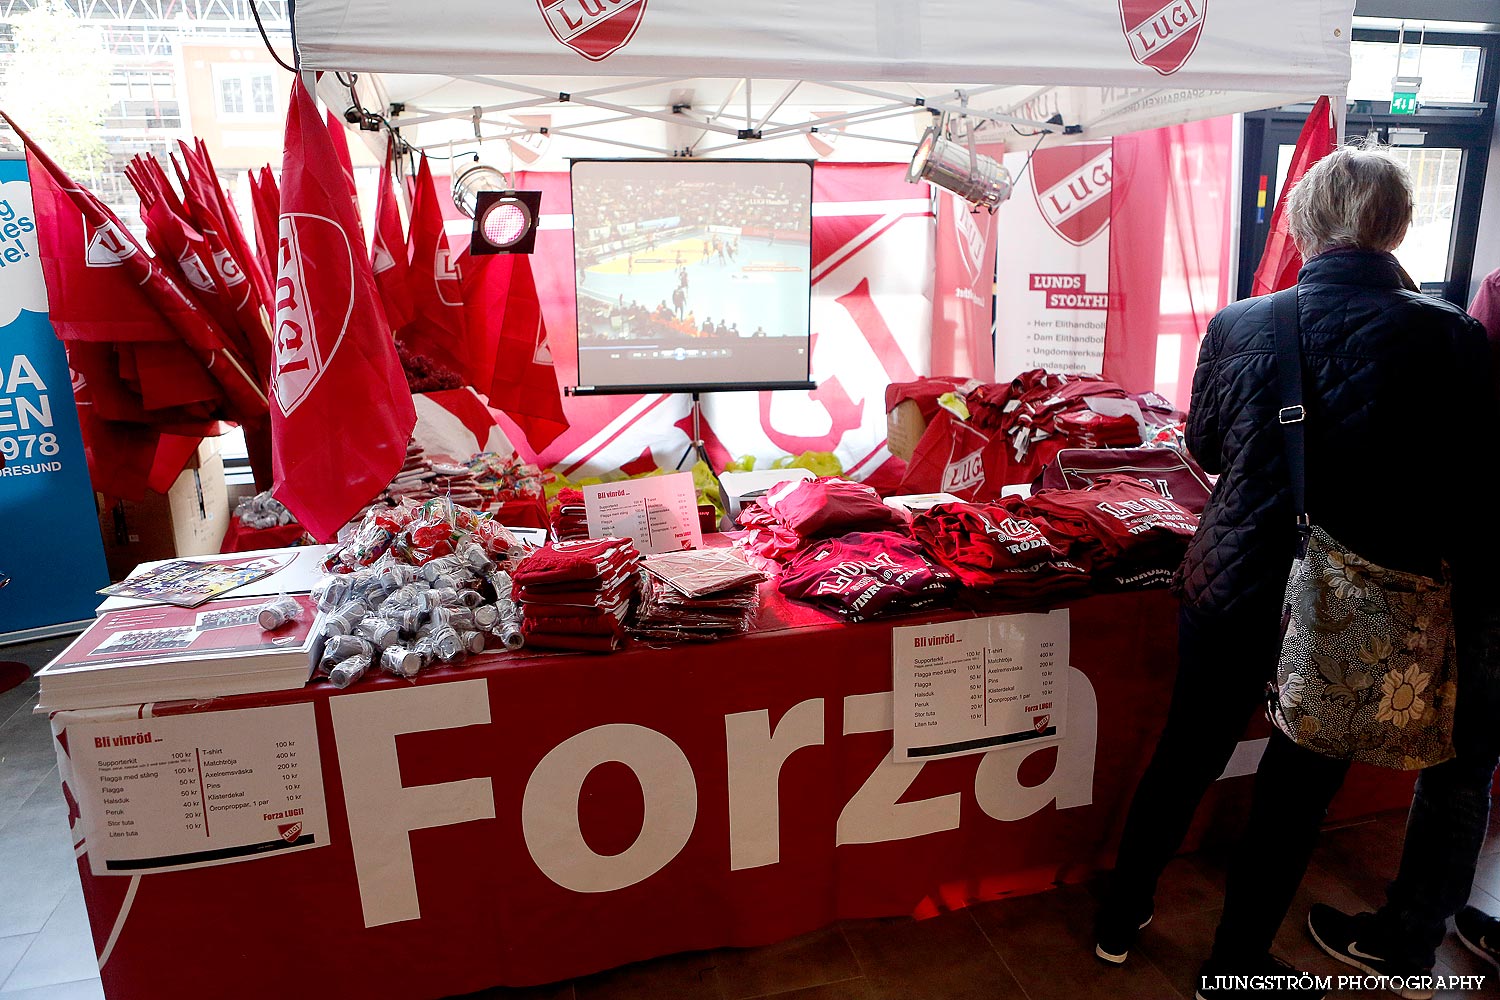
(1119, 959)
(1350, 960)
(1476, 949)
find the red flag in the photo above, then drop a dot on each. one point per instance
(341, 147)
(265, 206)
(388, 253)
(233, 272)
(437, 331)
(341, 412)
(524, 384)
(1280, 262)
(234, 235)
(101, 286)
(266, 202)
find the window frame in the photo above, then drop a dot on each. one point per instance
(1469, 130)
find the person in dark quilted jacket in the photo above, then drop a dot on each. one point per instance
(1375, 352)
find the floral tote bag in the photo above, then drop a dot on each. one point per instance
(1367, 670)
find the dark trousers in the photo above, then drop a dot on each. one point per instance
(1450, 811)
(1224, 663)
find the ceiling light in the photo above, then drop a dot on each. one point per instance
(472, 180)
(505, 222)
(978, 179)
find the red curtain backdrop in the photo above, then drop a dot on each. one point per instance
(1171, 259)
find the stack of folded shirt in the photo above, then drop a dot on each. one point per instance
(698, 595)
(1119, 529)
(569, 519)
(1088, 429)
(979, 542)
(575, 595)
(865, 575)
(1001, 553)
(788, 517)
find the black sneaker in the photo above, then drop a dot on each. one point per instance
(1480, 933)
(1350, 938)
(1269, 978)
(1114, 935)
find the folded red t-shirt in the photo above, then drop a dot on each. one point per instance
(816, 508)
(581, 560)
(1119, 522)
(975, 541)
(572, 641)
(585, 621)
(864, 575)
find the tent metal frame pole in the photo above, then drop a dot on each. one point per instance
(785, 96)
(936, 102)
(905, 107)
(1110, 110)
(665, 116)
(614, 88)
(612, 142)
(489, 109)
(854, 118)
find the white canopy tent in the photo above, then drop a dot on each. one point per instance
(673, 78)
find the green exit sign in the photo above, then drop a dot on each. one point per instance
(1403, 104)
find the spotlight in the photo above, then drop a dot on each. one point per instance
(977, 179)
(504, 220)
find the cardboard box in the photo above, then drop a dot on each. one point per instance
(189, 520)
(904, 427)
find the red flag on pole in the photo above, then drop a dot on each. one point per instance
(437, 329)
(341, 147)
(524, 384)
(1280, 262)
(388, 252)
(265, 200)
(341, 412)
(101, 286)
(234, 234)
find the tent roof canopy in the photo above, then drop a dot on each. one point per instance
(724, 78)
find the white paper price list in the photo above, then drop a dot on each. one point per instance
(969, 686)
(182, 791)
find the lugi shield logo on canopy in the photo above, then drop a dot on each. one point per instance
(1072, 186)
(304, 344)
(594, 29)
(1162, 37)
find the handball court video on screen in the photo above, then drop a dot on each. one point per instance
(692, 274)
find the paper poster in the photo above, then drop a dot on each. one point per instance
(52, 550)
(1052, 277)
(659, 513)
(970, 686)
(174, 792)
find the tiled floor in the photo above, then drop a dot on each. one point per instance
(1033, 948)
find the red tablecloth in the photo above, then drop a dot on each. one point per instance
(572, 813)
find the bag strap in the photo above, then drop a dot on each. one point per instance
(1292, 414)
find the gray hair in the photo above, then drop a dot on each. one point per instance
(1351, 198)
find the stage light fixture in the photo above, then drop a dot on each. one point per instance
(471, 180)
(976, 178)
(504, 220)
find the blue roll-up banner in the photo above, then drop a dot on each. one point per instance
(49, 528)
